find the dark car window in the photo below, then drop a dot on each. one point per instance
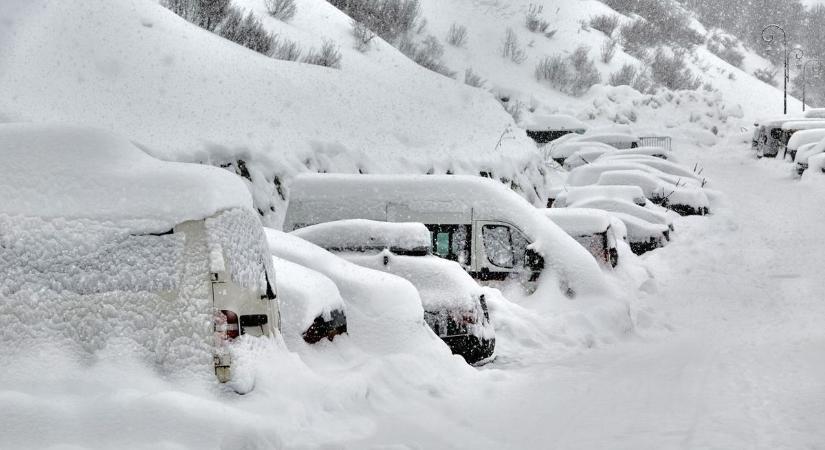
(451, 242)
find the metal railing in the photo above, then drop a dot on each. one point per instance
(656, 141)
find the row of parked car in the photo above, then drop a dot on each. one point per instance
(799, 139)
(86, 228)
(613, 173)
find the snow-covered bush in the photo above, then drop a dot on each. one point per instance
(511, 49)
(725, 48)
(286, 49)
(328, 56)
(283, 10)
(766, 75)
(573, 75)
(667, 22)
(206, 14)
(363, 36)
(606, 23)
(533, 19)
(609, 50)
(473, 79)
(390, 19)
(457, 35)
(247, 31)
(426, 53)
(671, 71)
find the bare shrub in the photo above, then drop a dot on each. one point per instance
(671, 71)
(283, 10)
(427, 54)
(247, 31)
(624, 76)
(390, 19)
(207, 14)
(363, 36)
(328, 56)
(766, 75)
(555, 70)
(606, 23)
(457, 36)
(511, 49)
(533, 19)
(727, 52)
(286, 49)
(473, 79)
(609, 50)
(586, 75)
(637, 36)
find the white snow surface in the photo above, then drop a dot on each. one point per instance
(359, 234)
(64, 171)
(579, 222)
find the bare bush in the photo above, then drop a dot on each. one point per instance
(328, 56)
(609, 50)
(555, 70)
(473, 79)
(427, 54)
(511, 49)
(624, 76)
(533, 19)
(727, 53)
(363, 36)
(766, 75)
(247, 31)
(283, 10)
(286, 50)
(390, 19)
(457, 36)
(606, 23)
(586, 75)
(637, 36)
(207, 14)
(671, 71)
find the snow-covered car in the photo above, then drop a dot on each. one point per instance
(649, 213)
(790, 129)
(816, 164)
(106, 246)
(804, 153)
(312, 308)
(574, 194)
(495, 234)
(383, 311)
(642, 235)
(769, 137)
(803, 138)
(676, 172)
(559, 153)
(585, 156)
(547, 128)
(589, 174)
(454, 304)
(592, 228)
(683, 199)
(616, 140)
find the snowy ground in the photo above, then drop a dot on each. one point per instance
(743, 366)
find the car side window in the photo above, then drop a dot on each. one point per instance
(498, 245)
(451, 242)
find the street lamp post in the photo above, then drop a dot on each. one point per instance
(805, 76)
(768, 35)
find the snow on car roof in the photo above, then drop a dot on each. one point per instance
(803, 124)
(360, 234)
(440, 194)
(540, 122)
(607, 137)
(580, 221)
(803, 137)
(564, 150)
(575, 194)
(78, 172)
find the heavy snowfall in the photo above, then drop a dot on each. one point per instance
(412, 224)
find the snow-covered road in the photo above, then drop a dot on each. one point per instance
(744, 364)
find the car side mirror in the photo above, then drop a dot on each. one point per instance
(533, 261)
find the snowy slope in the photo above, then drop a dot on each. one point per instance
(185, 94)
(739, 94)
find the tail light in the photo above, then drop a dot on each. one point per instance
(227, 326)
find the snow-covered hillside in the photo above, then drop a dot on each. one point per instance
(185, 94)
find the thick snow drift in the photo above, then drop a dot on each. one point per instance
(76, 172)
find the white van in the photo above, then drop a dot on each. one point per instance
(107, 247)
(490, 230)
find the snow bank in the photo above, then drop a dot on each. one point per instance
(76, 172)
(185, 94)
